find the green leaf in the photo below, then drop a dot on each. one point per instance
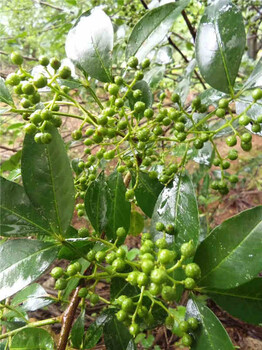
(21, 262)
(106, 206)
(231, 254)
(183, 87)
(120, 286)
(11, 163)
(32, 338)
(92, 336)
(177, 205)
(136, 223)
(146, 97)
(32, 298)
(78, 331)
(220, 44)
(18, 216)
(5, 95)
(178, 316)
(244, 302)
(116, 335)
(96, 203)
(147, 193)
(75, 248)
(153, 28)
(48, 180)
(119, 210)
(255, 79)
(211, 334)
(89, 44)
(154, 76)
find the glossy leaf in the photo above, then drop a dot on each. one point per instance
(48, 180)
(106, 206)
(177, 205)
(89, 44)
(92, 336)
(5, 95)
(21, 262)
(32, 298)
(74, 248)
(183, 87)
(153, 28)
(255, 79)
(154, 75)
(120, 286)
(116, 335)
(147, 193)
(210, 334)
(78, 330)
(119, 210)
(220, 44)
(231, 254)
(136, 223)
(32, 338)
(18, 216)
(146, 97)
(244, 302)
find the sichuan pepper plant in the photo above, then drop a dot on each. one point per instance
(136, 151)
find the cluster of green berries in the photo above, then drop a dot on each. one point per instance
(62, 277)
(26, 87)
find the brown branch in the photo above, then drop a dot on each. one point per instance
(144, 4)
(25, 57)
(189, 25)
(171, 42)
(67, 320)
(9, 149)
(49, 5)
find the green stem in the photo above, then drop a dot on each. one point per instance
(32, 324)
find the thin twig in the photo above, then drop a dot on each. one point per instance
(189, 25)
(49, 5)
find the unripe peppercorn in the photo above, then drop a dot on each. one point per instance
(55, 63)
(132, 62)
(16, 58)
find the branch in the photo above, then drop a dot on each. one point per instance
(25, 57)
(49, 5)
(171, 42)
(144, 4)
(189, 25)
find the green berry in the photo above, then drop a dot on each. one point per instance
(225, 164)
(121, 232)
(16, 58)
(155, 289)
(82, 292)
(175, 98)
(100, 256)
(134, 329)
(161, 243)
(193, 323)
(233, 179)
(142, 279)
(44, 61)
(145, 64)
(28, 88)
(160, 226)
(121, 253)
(119, 80)
(244, 120)
(257, 94)
(189, 283)
(223, 103)
(83, 232)
(46, 114)
(94, 299)
(127, 305)
(139, 75)
(132, 277)
(187, 340)
(184, 326)
(12, 79)
(139, 107)
(61, 284)
(57, 272)
(121, 315)
(132, 62)
(158, 276)
(246, 146)
(259, 119)
(118, 264)
(55, 63)
(148, 113)
(137, 94)
(71, 270)
(168, 293)
(246, 137)
(30, 129)
(113, 89)
(220, 112)
(65, 72)
(231, 140)
(193, 270)
(188, 249)
(76, 134)
(130, 194)
(216, 162)
(232, 154)
(166, 256)
(40, 81)
(198, 144)
(256, 128)
(46, 138)
(147, 266)
(91, 255)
